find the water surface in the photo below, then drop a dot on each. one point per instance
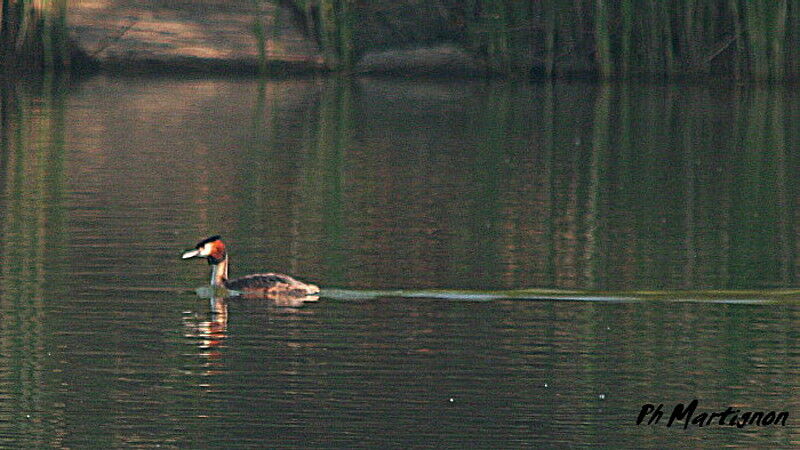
(506, 264)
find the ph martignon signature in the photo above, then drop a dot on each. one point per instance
(688, 415)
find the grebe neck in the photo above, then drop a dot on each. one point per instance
(219, 273)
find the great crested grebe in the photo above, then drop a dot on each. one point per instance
(256, 285)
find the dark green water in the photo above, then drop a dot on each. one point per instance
(505, 264)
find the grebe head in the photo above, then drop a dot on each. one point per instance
(210, 248)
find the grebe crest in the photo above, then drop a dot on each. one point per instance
(256, 285)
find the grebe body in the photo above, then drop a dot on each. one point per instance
(256, 285)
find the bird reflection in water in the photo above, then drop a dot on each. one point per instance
(209, 335)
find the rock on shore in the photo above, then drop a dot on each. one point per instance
(434, 60)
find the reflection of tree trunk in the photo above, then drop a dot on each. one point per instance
(689, 194)
(323, 176)
(723, 253)
(756, 238)
(549, 185)
(485, 211)
(625, 212)
(779, 144)
(32, 175)
(567, 266)
(264, 131)
(602, 112)
(760, 232)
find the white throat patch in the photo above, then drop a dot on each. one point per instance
(206, 250)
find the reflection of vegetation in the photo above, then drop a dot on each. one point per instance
(687, 168)
(640, 190)
(600, 142)
(495, 126)
(324, 175)
(564, 186)
(759, 194)
(33, 240)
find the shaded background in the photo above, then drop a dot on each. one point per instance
(736, 39)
